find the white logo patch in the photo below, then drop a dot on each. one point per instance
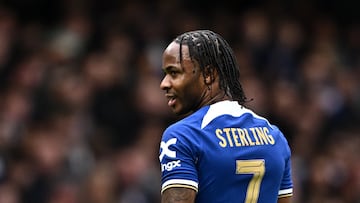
(165, 149)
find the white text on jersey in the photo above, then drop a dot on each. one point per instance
(238, 137)
(170, 165)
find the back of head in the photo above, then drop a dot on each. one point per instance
(210, 50)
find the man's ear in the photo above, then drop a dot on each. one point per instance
(209, 75)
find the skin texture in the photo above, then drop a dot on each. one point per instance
(178, 195)
(188, 89)
(284, 200)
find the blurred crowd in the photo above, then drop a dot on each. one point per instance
(81, 111)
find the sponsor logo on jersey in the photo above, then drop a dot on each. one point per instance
(164, 146)
(170, 165)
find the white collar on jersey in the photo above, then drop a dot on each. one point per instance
(226, 107)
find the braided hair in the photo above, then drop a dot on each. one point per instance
(210, 50)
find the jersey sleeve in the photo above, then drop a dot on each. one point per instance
(286, 187)
(178, 159)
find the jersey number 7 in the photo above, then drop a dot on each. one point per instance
(257, 168)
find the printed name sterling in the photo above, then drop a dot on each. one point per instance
(239, 137)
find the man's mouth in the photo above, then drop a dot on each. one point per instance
(171, 99)
(171, 102)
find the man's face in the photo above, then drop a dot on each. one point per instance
(183, 82)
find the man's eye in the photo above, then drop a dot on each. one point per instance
(172, 73)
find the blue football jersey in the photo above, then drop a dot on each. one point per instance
(228, 154)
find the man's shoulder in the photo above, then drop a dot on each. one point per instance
(187, 125)
(191, 119)
(189, 122)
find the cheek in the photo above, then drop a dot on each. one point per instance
(193, 91)
(189, 86)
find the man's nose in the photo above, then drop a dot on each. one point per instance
(165, 83)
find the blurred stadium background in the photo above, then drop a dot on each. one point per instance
(81, 112)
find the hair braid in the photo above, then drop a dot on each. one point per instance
(209, 49)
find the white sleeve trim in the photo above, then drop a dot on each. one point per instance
(285, 191)
(180, 182)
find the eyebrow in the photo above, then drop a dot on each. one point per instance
(169, 68)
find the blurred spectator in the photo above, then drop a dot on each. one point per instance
(81, 112)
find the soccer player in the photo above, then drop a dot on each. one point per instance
(219, 151)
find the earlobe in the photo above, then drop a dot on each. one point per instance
(209, 76)
(208, 80)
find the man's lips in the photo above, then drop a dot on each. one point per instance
(171, 99)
